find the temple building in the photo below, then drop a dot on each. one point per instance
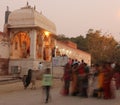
(30, 39)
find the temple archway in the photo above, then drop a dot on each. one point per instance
(20, 45)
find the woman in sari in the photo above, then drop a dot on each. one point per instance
(100, 82)
(74, 87)
(66, 78)
(107, 70)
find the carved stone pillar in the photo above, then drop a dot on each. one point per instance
(33, 36)
(39, 46)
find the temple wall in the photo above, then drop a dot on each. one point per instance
(25, 65)
(73, 53)
(4, 66)
(4, 51)
(4, 57)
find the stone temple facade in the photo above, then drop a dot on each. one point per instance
(31, 39)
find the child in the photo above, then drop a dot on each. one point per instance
(47, 83)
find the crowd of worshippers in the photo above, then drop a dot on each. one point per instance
(99, 80)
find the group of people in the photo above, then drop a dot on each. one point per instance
(100, 80)
(79, 79)
(75, 77)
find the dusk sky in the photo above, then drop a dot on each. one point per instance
(74, 17)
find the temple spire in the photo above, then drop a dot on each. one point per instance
(7, 12)
(7, 8)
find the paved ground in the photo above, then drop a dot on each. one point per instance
(14, 94)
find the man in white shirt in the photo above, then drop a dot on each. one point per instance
(40, 66)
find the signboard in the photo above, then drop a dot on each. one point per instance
(59, 61)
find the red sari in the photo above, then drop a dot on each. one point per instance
(67, 79)
(107, 82)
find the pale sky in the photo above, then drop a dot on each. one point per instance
(74, 17)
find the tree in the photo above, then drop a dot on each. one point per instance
(62, 37)
(80, 41)
(101, 47)
(116, 54)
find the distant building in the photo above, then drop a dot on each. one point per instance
(30, 40)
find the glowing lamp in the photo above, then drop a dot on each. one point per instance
(47, 33)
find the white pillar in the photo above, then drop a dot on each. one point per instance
(42, 48)
(33, 36)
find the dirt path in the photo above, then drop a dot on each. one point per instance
(14, 94)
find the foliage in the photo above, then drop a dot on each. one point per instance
(62, 37)
(80, 41)
(101, 47)
(116, 54)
